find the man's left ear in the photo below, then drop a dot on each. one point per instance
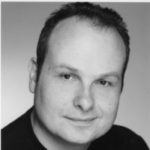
(32, 74)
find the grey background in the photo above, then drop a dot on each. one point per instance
(21, 26)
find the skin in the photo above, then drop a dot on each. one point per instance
(78, 92)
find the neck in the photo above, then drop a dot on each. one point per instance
(51, 141)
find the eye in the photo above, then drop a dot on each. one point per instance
(66, 76)
(105, 83)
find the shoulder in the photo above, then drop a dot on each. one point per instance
(15, 132)
(121, 138)
(17, 125)
(123, 132)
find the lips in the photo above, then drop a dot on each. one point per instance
(81, 121)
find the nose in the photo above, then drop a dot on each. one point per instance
(84, 100)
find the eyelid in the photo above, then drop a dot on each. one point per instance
(74, 76)
(109, 83)
(112, 81)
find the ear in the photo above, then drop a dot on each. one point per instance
(32, 74)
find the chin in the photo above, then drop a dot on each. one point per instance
(79, 137)
(79, 140)
(85, 138)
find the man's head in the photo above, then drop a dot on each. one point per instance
(98, 16)
(80, 69)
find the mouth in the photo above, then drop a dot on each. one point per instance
(81, 121)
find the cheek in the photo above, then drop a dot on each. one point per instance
(108, 103)
(111, 109)
(56, 96)
(106, 108)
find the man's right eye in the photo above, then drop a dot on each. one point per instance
(66, 76)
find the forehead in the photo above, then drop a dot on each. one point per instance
(75, 26)
(76, 39)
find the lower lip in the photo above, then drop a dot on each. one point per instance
(82, 123)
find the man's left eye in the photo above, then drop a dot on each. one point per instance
(105, 83)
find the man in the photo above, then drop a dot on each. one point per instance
(77, 79)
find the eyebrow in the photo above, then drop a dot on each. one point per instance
(103, 75)
(63, 66)
(111, 74)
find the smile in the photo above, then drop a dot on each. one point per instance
(81, 121)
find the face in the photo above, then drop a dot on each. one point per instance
(78, 91)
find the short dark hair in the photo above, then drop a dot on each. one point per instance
(99, 16)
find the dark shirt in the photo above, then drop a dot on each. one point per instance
(19, 136)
